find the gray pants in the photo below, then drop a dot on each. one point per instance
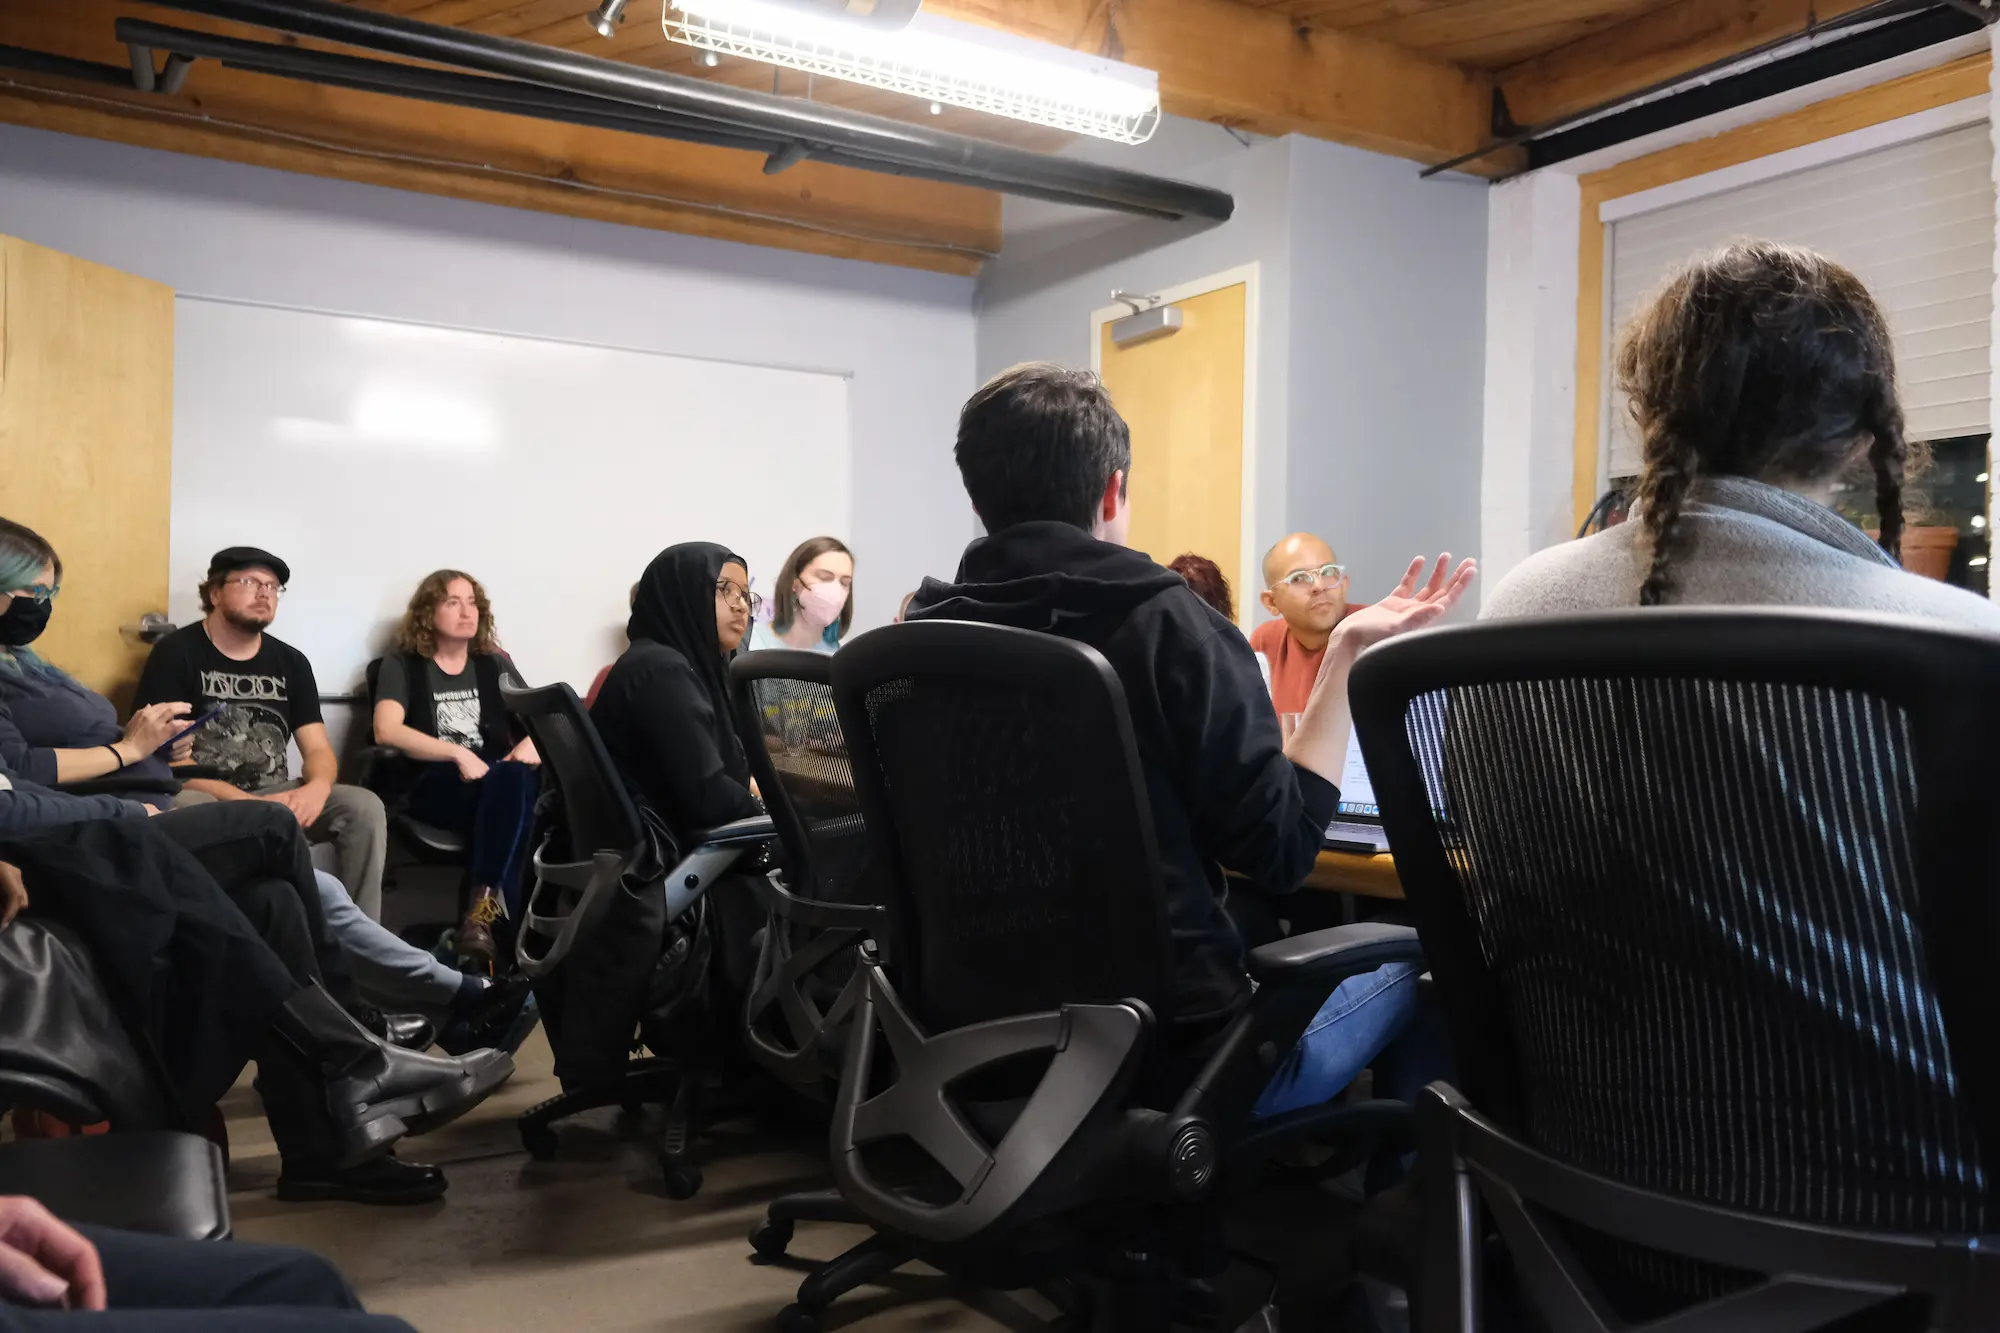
(390, 973)
(357, 826)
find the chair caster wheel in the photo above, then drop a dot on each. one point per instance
(683, 1182)
(798, 1319)
(540, 1141)
(771, 1239)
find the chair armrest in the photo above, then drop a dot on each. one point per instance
(365, 765)
(738, 833)
(814, 913)
(1338, 952)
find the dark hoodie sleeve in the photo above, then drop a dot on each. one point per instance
(673, 724)
(35, 763)
(1254, 810)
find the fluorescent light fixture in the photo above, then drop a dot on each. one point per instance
(937, 60)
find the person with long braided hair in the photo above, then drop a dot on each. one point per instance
(1760, 376)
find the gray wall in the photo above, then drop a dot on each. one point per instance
(1371, 327)
(1388, 359)
(218, 229)
(1059, 264)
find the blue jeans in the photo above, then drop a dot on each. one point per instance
(389, 972)
(492, 814)
(1364, 1015)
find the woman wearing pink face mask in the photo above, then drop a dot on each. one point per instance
(813, 604)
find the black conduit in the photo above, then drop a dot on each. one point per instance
(848, 138)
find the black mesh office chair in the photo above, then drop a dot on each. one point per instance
(64, 1051)
(607, 884)
(1709, 897)
(1006, 1111)
(820, 902)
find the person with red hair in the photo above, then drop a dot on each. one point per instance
(1206, 580)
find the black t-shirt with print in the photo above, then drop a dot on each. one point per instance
(264, 701)
(456, 697)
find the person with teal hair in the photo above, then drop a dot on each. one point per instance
(53, 728)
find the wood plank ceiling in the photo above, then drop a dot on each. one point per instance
(1415, 78)
(1485, 34)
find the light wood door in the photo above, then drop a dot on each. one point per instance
(86, 447)
(1182, 396)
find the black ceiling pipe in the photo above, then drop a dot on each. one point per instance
(1810, 66)
(1867, 13)
(857, 138)
(511, 97)
(42, 62)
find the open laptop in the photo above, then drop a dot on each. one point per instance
(1357, 820)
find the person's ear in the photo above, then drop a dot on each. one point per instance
(1270, 602)
(1114, 493)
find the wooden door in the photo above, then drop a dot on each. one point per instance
(1182, 396)
(86, 447)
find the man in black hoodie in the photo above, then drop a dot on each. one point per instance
(1044, 457)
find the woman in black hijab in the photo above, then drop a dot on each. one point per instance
(664, 711)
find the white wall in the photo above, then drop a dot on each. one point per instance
(1388, 301)
(1531, 291)
(245, 233)
(1370, 331)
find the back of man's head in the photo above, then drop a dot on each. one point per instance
(1040, 443)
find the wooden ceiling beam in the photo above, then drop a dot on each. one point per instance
(1654, 48)
(517, 161)
(1258, 70)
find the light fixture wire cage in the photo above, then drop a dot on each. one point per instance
(1070, 101)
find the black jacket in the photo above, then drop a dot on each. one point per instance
(675, 751)
(1223, 792)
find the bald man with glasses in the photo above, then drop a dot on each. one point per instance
(1306, 587)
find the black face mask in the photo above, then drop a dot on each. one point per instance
(23, 621)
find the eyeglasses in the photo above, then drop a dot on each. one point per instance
(37, 592)
(732, 595)
(1302, 579)
(255, 585)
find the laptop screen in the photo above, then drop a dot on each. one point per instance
(1357, 793)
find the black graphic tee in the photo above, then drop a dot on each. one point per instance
(264, 700)
(455, 696)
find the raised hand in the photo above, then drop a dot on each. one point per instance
(1409, 606)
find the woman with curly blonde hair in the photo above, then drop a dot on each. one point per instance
(438, 701)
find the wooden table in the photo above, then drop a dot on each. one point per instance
(1352, 872)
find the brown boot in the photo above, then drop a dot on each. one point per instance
(475, 933)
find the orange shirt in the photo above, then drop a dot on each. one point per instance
(1293, 669)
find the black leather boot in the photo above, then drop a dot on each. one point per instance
(412, 1032)
(382, 1181)
(376, 1092)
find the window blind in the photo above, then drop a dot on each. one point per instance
(1914, 221)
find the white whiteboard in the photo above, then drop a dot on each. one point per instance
(367, 453)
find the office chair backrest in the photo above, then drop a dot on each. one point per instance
(998, 771)
(597, 812)
(791, 735)
(796, 1007)
(597, 834)
(1709, 897)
